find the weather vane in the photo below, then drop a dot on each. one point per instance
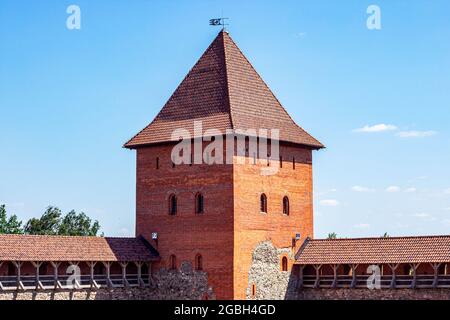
(218, 22)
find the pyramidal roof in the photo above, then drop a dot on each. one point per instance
(223, 91)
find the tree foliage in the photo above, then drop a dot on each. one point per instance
(47, 224)
(332, 235)
(52, 222)
(11, 225)
(74, 224)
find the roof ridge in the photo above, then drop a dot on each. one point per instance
(60, 236)
(223, 32)
(226, 92)
(269, 90)
(381, 238)
(173, 93)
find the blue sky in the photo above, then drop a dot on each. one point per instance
(69, 99)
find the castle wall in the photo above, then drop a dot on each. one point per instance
(271, 283)
(187, 234)
(252, 227)
(366, 294)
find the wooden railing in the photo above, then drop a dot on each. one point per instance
(50, 282)
(386, 281)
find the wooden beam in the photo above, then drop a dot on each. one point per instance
(55, 266)
(354, 267)
(393, 280)
(108, 273)
(91, 266)
(414, 267)
(317, 282)
(18, 265)
(436, 273)
(37, 265)
(124, 274)
(335, 268)
(139, 270)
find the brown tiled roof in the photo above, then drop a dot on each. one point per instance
(65, 248)
(375, 250)
(224, 91)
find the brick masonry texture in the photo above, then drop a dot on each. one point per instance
(232, 224)
(187, 234)
(252, 227)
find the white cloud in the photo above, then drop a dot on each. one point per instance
(329, 203)
(393, 189)
(425, 216)
(362, 189)
(376, 128)
(410, 190)
(416, 134)
(300, 34)
(362, 225)
(422, 215)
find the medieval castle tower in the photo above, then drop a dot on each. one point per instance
(214, 215)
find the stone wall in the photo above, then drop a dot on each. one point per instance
(252, 227)
(266, 275)
(185, 284)
(273, 284)
(366, 294)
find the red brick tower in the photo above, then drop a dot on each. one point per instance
(213, 215)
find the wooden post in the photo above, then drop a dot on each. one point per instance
(55, 266)
(354, 267)
(124, 273)
(108, 273)
(335, 268)
(139, 270)
(414, 267)
(18, 265)
(37, 265)
(393, 280)
(91, 265)
(317, 282)
(436, 273)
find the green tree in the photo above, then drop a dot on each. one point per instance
(332, 235)
(11, 225)
(386, 235)
(74, 224)
(47, 224)
(52, 222)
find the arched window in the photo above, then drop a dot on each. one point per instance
(173, 262)
(198, 262)
(284, 264)
(173, 205)
(263, 203)
(286, 205)
(199, 201)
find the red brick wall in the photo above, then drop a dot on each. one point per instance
(232, 225)
(187, 234)
(251, 226)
